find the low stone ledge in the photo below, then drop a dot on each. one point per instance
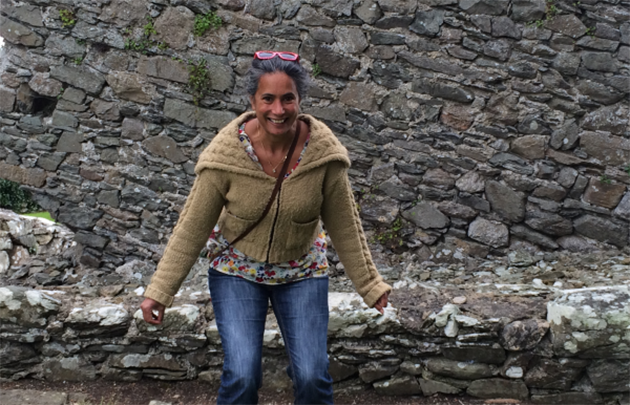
(71, 339)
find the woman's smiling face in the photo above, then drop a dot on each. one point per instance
(276, 104)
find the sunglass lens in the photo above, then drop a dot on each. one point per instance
(264, 55)
(288, 56)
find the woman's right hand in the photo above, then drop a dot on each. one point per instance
(152, 311)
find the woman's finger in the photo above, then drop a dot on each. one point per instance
(158, 314)
(153, 319)
(152, 311)
(147, 315)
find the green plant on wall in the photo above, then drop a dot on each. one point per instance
(77, 61)
(627, 169)
(551, 10)
(199, 80)
(204, 22)
(67, 18)
(144, 43)
(316, 70)
(390, 237)
(605, 179)
(140, 45)
(13, 198)
(149, 29)
(537, 23)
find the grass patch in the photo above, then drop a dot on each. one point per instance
(43, 214)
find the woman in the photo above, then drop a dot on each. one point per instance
(283, 258)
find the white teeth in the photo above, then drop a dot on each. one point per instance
(276, 121)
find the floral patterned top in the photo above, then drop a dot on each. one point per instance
(236, 263)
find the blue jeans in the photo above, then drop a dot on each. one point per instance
(301, 308)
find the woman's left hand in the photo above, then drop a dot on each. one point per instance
(381, 303)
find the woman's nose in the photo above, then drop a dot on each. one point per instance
(277, 107)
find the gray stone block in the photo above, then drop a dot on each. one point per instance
(567, 24)
(335, 64)
(64, 119)
(427, 22)
(426, 216)
(602, 229)
(498, 388)
(459, 370)
(528, 10)
(491, 233)
(599, 61)
(505, 27)
(508, 203)
(19, 34)
(81, 77)
(590, 323)
(490, 7)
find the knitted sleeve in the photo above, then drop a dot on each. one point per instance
(200, 214)
(343, 224)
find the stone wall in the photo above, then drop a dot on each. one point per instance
(517, 329)
(474, 127)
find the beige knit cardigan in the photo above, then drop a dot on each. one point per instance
(231, 189)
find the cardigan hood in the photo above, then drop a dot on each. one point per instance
(225, 151)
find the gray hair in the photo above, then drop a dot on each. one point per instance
(292, 69)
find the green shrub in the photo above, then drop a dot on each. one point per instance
(13, 198)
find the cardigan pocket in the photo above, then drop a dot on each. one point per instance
(232, 226)
(301, 235)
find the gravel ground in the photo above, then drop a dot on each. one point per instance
(199, 393)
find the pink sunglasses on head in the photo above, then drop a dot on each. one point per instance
(290, 56)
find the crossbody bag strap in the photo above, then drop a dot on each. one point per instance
(283, 171)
